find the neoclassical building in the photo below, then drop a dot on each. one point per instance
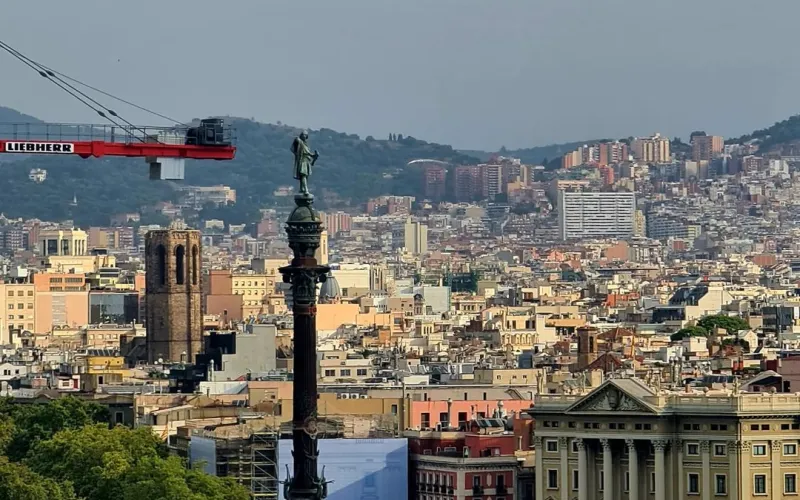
(628, 440)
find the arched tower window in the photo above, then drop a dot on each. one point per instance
(161, 259)
(195, 264)
(180, 265)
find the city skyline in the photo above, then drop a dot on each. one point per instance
(429, 73)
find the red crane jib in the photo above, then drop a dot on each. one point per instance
(97, 149)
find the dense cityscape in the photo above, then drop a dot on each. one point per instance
(622, 321)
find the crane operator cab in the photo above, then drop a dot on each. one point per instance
(210, 132)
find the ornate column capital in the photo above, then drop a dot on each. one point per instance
(580, 443)
(746, 446)
(660, 444)
(776, 445)
(605, 443)
(537, 441)
(734, 447)
(705, 446)
(631, 444)
(563, 441)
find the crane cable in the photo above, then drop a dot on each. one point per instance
(154, 113)
(51, 75)
(12, 51)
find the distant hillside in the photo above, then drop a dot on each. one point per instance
(8, 115)
(774, 137)
(349, 168)
(534, 156)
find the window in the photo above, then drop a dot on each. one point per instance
(652, 482)
(476, 481)
(551, 445)
(444, 419)
(790, 449)
(602, 481)
(719, 427)
(764, 427)
(753, 427)
(720, 450)
(784, 427)
(574, 443)
(552, 479)
(575, 480)
(790, 483)
(426, 420)
(759, 450)
(119, 417)
(330, 373)
(760, 484)
(693, 483)
(720, 484)
(361, 371)
(501, 481)
(344, 372)
(627, 486)
(692, 449)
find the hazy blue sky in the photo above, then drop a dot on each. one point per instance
(472, 73)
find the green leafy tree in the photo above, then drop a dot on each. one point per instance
(125, 464)
(18, 482)
(38, 422)
(730, 323)
(689, 331)
(745, 345)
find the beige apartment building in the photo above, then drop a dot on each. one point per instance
(628, 440)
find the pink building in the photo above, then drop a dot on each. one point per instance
(426, 414)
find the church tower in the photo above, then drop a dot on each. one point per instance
(587, 346)
(173, 295)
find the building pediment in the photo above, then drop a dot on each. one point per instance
(613, 396)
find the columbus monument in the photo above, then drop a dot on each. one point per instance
(304, 228)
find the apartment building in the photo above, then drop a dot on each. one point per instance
(596, 215)
(654, 149)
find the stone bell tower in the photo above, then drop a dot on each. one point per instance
(173, 295)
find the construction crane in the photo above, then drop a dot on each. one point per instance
(164, 148)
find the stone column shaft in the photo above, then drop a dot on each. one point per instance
(563, 448)
(633, 470)
(539, 473)
(583, 472)
(706, 457)
(608, 470)
(660, 465)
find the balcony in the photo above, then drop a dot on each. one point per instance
(501, 489)
(477, 491)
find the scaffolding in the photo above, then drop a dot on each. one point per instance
(248, 454)
(264, 464)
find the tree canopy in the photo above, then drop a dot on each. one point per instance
(730, 323)
(689, 331)
(65, 450)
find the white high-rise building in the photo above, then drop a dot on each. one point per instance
(596, 215)
(415, 236)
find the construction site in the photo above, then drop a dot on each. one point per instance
(248, 449)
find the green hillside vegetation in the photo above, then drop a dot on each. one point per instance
(349, 168)
(65, 450)
(769, 138)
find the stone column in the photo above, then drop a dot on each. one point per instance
(677, 450)
(633, 470)
(660, 446)
(583, 472)
(539, 477)
(705, 452)
(744, 457)
(777, 477)
(734, 447)
(608, 470)
(563, 447)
